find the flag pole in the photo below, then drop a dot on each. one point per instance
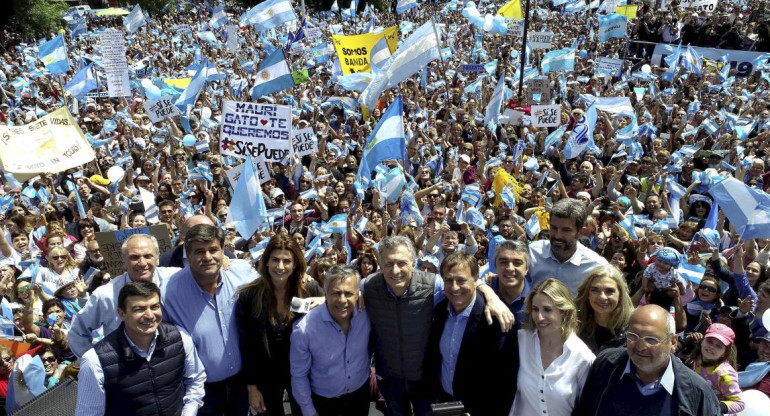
(523, 52)
(440, 57)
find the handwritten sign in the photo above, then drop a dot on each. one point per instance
(608, 66)
(539, 90)
(110, 243)
(699, 6)
(161, 108)
(540, 40)
(256, 130)
(304, 142)
(113, 46)
(263, 173)
(513, 117)
(546, 115)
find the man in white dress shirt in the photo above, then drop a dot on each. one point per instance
(562, 256)
(140, 256)
(145, 368)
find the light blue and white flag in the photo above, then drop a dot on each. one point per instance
(54, 55)
(273, 75)
(417, 51)
(692, 272)
(409, 210)
(612, 26)
(247, 208)
(582, 135)
(475, 218)
(710, 126)
(336, 224)
(533, 226)
(134, 20)
(692, 61)
(492, 115)
(79, 28)
(391, 184)
(628, 225)
(558, 60)
(748, 209)
(404, 5)
(83, 82)
(190, 94)
(219, 18)
(269, 14)
(258, 250)
(387, 140)
(379, 54)
(555, 136)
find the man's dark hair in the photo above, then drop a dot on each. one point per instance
(96, 198)
(141, 289)
(572, 209)
(203, 233)
(164, 203)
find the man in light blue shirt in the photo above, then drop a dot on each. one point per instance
(330, 351)
(146, 367)
(563, 257)
(140, 256)
(201, 298)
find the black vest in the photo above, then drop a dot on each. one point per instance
(135, 386)
(628, 401)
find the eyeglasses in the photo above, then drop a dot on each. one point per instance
(433, 195)
(708, 288)
(231, 229)
(49, 359)
(649, 340)
(59, 257)
(9, 359)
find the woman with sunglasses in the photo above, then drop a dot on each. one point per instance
(61, 268)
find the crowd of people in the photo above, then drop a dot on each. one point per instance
(508, 271)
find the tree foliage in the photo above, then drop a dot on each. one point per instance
(35, 17)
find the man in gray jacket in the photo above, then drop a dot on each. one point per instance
(400, 302)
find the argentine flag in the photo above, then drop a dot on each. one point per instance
(533, 226)
(336, 224)
(79, 28)
(404, 5)
(82, 82)
(134, 20)
(558, 60)
(218, 18)
(269, 14)
(748, 209)
(273, 75)
(380, 53)
(387, 140)
(492, 115)
(612, 26)
(54, 55)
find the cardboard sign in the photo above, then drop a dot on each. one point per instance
(515, 27)
(608, 66)
(161, 108)
(256, 130)
(540, 40)
(699, 6)
(233, 38)
(111, 241)
(313, 33)
(300, 76)
(304, 142)
(113, 46)
(179, 29)
(546, 115)
(472, 68)
(541, 87)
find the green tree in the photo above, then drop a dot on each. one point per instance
(35, 17)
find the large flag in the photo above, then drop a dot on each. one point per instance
(269, 14)
(692, 62)
(134, 20)
(387, 140)
(414, 54)
(273, 75)
(296, 36)
(492, 115)
(54, 55)
(404, 5)
(558, 60)
(380, 53)
(612, 26)
(218, 18)
(582, 136)
(247, 208)
(83, 82)
(748, 209)
(511, 10)
(190, 94)
(79, 28)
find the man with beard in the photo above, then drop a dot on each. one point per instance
(94, 257)
(562, 256)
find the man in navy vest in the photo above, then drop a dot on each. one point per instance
(145, 367)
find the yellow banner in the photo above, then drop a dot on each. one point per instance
(629, 11)
(354, 51)
(52, 144)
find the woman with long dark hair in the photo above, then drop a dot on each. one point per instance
(265, 321)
